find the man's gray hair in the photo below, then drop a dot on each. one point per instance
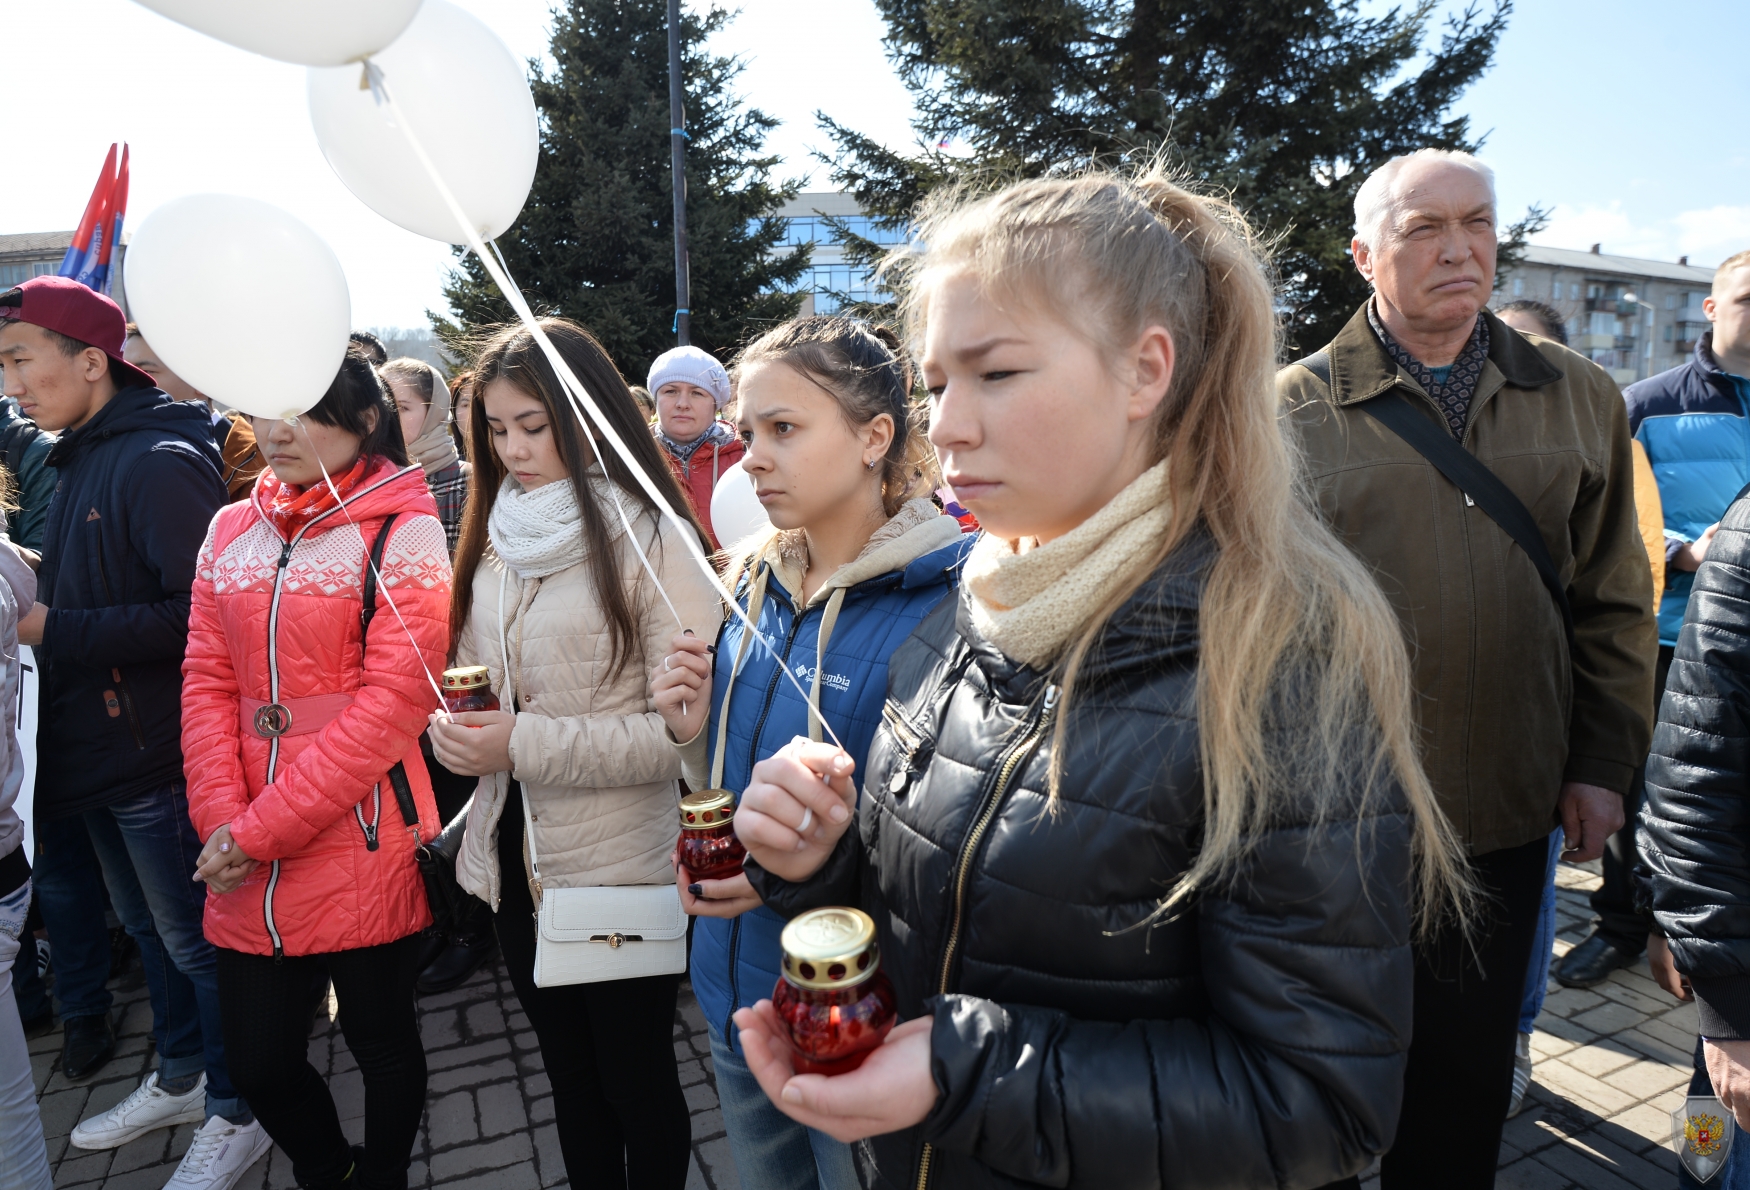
(1373, 202)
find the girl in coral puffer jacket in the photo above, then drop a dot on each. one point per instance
(301, 719)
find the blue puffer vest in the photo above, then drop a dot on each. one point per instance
(1692, 421)
(735, 963)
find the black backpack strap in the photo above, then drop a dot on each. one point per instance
(397, 775)
(1395, 412)
(368, 601)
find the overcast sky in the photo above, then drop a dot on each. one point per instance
(1626, 117)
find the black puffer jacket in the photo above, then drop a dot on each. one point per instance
(1694, 839)
(1257, 1039)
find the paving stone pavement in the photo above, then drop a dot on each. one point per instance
(1611, 1064)
(488, 1113)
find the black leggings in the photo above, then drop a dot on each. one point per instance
(608, 1049)
(265, 1004)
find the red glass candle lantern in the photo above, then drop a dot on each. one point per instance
(832, 994)
(468, 689)
(709, 849)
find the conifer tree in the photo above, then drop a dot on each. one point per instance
(1283, 104)
(595, 242)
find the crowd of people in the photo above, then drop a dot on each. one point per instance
(1199, 734)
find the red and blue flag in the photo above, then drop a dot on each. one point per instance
(100, 229)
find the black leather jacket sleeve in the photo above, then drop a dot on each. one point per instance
(837, 883)
(1694, 839)
(1302, 1053)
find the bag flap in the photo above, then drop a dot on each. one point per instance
(649, 911)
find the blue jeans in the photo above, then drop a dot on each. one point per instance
(772, 1151)
(24, 1160)
(1736, 1174)
(144, 851)
(1543, 947)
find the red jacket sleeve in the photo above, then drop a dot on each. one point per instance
(335, 772)
(212, 758)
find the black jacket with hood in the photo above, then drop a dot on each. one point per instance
(138, 486)
(1256, 1038)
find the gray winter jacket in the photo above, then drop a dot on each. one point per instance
(17, 591)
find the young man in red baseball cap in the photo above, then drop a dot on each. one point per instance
(138, 485)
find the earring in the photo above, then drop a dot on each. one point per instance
(871, 464)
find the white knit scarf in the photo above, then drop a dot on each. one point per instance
(538, 533)
(1031, 600)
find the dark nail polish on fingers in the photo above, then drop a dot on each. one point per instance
(694, 890)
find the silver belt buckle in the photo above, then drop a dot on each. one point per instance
(273, 721)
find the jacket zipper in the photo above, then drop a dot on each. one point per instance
(969, 849)
(115, 674)
(273, 745)
(370, 828)
(752, 759)
(273, 931)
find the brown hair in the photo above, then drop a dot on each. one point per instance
(1302, 668)
(512, 355)
(1553, 327)
(866, 370)
(422, 376)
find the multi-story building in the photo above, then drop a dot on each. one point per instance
(39, 254)
(1632, 317)
(831, 274)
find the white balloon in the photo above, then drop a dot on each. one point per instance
(307, 32)
(241, 300)
(735, 511)
(463, 94)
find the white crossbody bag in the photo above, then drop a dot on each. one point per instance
(588, 935)
(591, 935)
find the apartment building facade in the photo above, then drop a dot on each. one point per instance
(1631, 316)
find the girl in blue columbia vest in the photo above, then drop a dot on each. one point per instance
(856, 558)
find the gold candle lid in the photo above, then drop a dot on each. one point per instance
(707, 808)
(466, 677)
(831, 948)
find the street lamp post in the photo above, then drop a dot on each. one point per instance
(677, 135)
(1651, 318)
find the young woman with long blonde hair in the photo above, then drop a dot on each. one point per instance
(1145, 835)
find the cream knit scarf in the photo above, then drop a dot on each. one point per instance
(1030, 600)
(538, 533)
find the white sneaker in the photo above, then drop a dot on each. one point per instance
(147, 1108)
(221, 1153)
(1521, 1074)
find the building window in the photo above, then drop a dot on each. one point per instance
(18, 274)
(1518, 286)
(814, 229)
(1574, 292)
(1555, 291)
(1670, 301)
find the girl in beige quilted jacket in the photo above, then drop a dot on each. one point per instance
(551, 596)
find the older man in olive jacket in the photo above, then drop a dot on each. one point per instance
(1521, 732)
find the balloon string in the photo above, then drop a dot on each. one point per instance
(382, 585)
(581, 400)
(614, 492)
